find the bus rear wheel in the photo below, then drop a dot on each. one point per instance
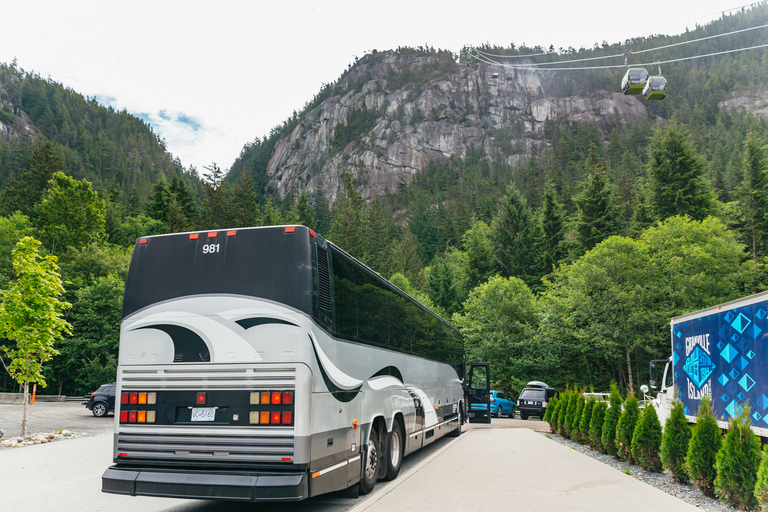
(395, 449)
(370, 464)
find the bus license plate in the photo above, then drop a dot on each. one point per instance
(203, 414)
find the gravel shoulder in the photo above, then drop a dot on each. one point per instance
(53, 416)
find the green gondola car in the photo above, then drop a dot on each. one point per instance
(655, 88)
(634, 81)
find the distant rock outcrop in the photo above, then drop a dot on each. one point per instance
(485, 108)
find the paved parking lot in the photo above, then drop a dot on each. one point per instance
(52, 416)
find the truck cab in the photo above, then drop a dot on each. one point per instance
(664, 386)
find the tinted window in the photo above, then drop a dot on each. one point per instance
(501, 396)
(258, 262)
(533, 394)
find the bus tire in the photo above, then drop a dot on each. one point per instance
(370, 464)
(395, 449)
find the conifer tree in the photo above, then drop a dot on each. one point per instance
(625, 428)
(214, 198)
(646, 440)
(705, 443)
(674, 443)
(242, 208)
(612, 414)
(596, 219)
(737, 463)
(586, 417)
(550, 230)
(562, 412)
(576, 425)
(761, 486)
(304, 213)
(754, 192)
(512, 236)
(349, 223)
(676, 176)
(570, 413)
(596, 425)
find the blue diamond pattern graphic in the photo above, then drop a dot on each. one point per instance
(698, 366)
(677, 375)
(734, 373)
(743, 344)
(729, 317)
(760, 314)
(725, 397)
(723, 379)
(677, 346)
(742, 363)
(754, 331)
(746, 382)
(757, 416)
(675, 359)
(680, 394)
(733, 409)
(735, 337)
(763, 402)
(731, 387)
(729, 353)
(741, 322)
(751, 354)
(724, 332)
(740, 396)
(720, 345)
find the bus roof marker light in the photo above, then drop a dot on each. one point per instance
(231, 233)
(213, 234)
(142, 240)
(194, 236)
(354, 424)
(290, 229)
(312, 233)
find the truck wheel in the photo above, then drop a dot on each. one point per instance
(99, 409)
(370, 464)
(395, 449)
(523, 416)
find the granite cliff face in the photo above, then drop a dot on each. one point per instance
(485, 108)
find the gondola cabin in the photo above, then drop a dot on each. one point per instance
(655, 88)
(634, 80)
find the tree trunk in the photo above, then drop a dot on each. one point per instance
(629, 373)
(24, 414)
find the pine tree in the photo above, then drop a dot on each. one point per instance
(242, 209)
(705, 443)
(596, 219)
(550, 412)
(761, 486)
(754, 192)
(612, 415)
(349, 223)
(625, 428)
(550, 231)
(562, 413)
(214, 198)
(646, 440)
(576, 425)
(737, 463)
(512, 236)
(570, 413)
(674, 443)
(676, 176)
(596, 425)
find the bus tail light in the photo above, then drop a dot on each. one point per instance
(132, 416)
(264, 417)
(253, 418)
(200, 398)
(133, 398)
(275, 418)
(141, 416)
(287, 398)
(150, 416)
(123, 398)
(265, 397)
(123, 416)
(142, 398)
(276, 398)
(287, 418)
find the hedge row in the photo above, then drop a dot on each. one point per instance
(731, 467)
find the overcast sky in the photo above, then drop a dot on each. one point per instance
(211, 76)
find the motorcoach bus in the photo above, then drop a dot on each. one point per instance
(267, 364)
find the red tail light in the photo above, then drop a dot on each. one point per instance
(276, 396)
(123, 416)
(287, 418)
(200, 399)
(123, 398)
(275, 418)
(134, 398)
(131, 416)
(287, 397)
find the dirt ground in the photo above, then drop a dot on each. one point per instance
(52, 416)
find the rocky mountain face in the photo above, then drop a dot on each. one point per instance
(498, 112)
(14, 122)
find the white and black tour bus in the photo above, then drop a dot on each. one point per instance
(266, 364)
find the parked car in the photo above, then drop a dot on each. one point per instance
(102, 401)
(533, 399)
(501, 405)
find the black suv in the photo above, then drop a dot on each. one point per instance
(102, 401)
(533, 401)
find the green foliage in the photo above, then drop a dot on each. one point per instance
(512, 236)
(499, 320)
(625, 429)
(71, 214)
(577, 413)
(551, 405)
(674, 443)
(359, 122)
(562, 411)
(31, 316)
(754, 192)
(646, 441)
(737, 463)
(349, 223)
(596, 425)
(586, 418)
(676, 173)
(761, 485)
(570, 413)
(703, 448)
(612, 415)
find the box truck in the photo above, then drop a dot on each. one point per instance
(721, 351)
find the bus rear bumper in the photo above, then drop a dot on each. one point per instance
(198, 485)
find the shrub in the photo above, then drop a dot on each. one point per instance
(550, 415)
(625, 429)
(575, 432)
(570, 412)
(562, 409)
(646, 440)
(737, 464)
(761, 487)
(586, 417)
(705, 442)
(596, 426)
(674, 443)
(612, 415)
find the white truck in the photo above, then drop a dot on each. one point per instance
(721, 351)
